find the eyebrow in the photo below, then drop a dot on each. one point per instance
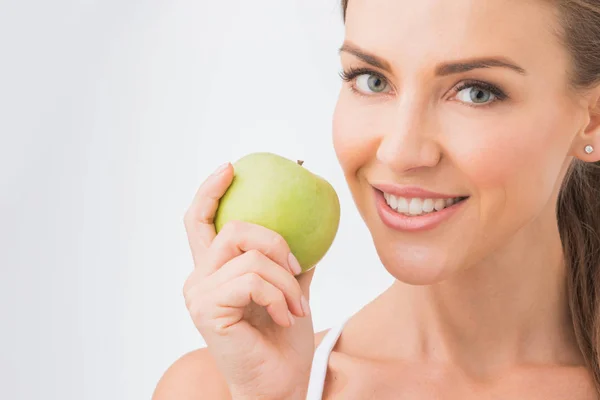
(366, 57)
(444, 69)
(477, 63)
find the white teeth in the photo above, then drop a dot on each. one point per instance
(428, 205)
(393, 202)
(439, 205)
(417, 206)
(402, 205)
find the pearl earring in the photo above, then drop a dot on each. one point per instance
(589, 149)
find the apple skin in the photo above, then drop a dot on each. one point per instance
(281, 195)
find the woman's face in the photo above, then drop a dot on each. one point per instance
(461, 99)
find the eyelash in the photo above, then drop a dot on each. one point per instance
(352, 73)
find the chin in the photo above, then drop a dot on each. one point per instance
(416, 265)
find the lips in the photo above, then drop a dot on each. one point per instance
(414, 192)
(415, 209)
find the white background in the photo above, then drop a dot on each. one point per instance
(111, 114)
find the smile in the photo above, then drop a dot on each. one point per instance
(415, 210)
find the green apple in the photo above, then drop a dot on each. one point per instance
(282, 195)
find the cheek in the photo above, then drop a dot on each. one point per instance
(353, 140)
(515, 162)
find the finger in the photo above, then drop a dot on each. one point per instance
(304, 281)
(200, 215)
(255, 262)
(238, 237)
(232, 298)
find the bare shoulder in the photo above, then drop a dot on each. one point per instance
(195, 375)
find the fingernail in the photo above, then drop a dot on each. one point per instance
(294, 264)
(221, 169)
(292, 319)
(305, 306)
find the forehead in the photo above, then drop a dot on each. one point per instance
(422, 29)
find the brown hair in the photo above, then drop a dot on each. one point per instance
(578, 208)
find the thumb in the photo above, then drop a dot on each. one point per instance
(304, 279)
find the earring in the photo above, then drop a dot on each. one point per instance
(589, 149)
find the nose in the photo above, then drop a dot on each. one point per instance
(409, 141)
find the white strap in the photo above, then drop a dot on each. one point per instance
(318, 371)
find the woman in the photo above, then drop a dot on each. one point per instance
(469, 135)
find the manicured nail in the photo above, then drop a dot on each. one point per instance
(221, 169)
(305, 306)
(294, 264)
(292, 319)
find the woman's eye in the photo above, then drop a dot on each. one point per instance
(476, 95)
(369, 83)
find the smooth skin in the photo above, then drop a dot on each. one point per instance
(479, 308)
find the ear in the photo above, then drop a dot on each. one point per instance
(589, 137)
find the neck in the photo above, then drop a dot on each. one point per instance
(510, 309)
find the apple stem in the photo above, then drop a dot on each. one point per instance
(300, 162)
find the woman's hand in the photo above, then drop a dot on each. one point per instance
(246, 301)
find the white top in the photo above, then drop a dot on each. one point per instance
(318, 371)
